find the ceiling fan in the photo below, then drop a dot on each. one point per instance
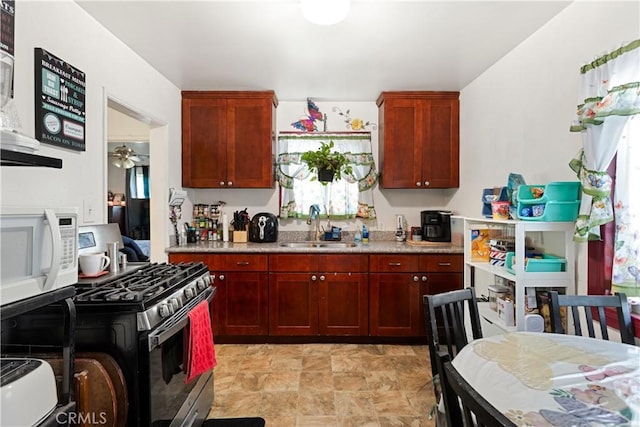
(125, 157)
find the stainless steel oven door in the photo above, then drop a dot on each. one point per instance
(172, 401)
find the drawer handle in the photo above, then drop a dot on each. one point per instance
(444, 264)
(242, 263)
(395, 264)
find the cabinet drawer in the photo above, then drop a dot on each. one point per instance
(344, 264)
(318, 263)
(293, 263)
(243, 262)
(393, 263)
(441, 263)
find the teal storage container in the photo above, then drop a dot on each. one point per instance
(560, 201)
(554, 211)
(548, 264)
(560, 191)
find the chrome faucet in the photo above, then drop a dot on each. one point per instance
(314, 214)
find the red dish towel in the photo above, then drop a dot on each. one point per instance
(200, 356)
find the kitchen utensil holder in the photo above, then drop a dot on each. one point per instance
(239, 236)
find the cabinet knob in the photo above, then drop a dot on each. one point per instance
(221, 277)
(229, 183)
(321, 277)
(314, 278)
(221, 183)
(424, 278)
(418, 184)
(415, 278)
(427, 183)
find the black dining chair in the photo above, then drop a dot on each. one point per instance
(589, 303)
(445, 318)
(475, 409)
(445, 313)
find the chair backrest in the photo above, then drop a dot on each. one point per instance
(475, 409)
(588, 303)
(445, 318)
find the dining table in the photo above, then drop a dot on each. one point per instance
(546, 379)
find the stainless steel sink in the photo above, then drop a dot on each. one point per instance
(317, 244)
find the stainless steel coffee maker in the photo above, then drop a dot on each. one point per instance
(436, 225)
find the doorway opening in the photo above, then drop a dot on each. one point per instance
(128, 174)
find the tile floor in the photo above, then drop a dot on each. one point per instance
(324, 384)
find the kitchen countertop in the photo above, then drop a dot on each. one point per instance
(361, 248)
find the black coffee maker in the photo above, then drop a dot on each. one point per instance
(436, 226)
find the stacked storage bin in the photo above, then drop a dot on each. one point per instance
(555, 201)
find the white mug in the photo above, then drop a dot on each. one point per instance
(92, 264)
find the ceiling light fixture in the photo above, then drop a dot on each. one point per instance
(325, 12)
(124, 157)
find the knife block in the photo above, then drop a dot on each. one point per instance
(239, 237)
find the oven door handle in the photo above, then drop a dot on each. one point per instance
(179, 320)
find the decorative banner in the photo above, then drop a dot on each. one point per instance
(59, 102)
(7, 13)
(7, 35)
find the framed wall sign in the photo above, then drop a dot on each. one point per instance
(59, 102)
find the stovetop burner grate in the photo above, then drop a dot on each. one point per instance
(141, 286)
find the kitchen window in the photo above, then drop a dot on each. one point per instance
(349, 197)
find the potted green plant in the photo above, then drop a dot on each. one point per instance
(328, 165)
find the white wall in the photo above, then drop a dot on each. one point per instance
(111, 69)
(515, 117)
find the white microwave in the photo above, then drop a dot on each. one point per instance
(39, 251)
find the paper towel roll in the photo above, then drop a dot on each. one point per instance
(225, 228)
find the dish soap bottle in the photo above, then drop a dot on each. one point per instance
(358, 236)
(365, 234)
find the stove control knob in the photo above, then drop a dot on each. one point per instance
(165, 310)
(189, 292)
(208, 280)
(175, 303)
(200, 284)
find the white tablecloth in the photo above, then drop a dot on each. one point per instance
(540, 379)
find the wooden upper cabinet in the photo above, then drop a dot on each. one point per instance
(228, 139)
(419, 139)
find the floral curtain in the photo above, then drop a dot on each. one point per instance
(348, 198)
(608, 119)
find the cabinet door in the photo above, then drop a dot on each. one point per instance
(204, 146)
(242, 303)
(440, 144)
(293, 304)
(344, 304)
(249, 145)
(401, 140)
(437, 283)
(394, 304)
(419, 139)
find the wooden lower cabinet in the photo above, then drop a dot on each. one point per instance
(318, 295)
(377, 295)
(241, 303)
(397, 284)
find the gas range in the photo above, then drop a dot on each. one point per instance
(138, 317)
(154, 291)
